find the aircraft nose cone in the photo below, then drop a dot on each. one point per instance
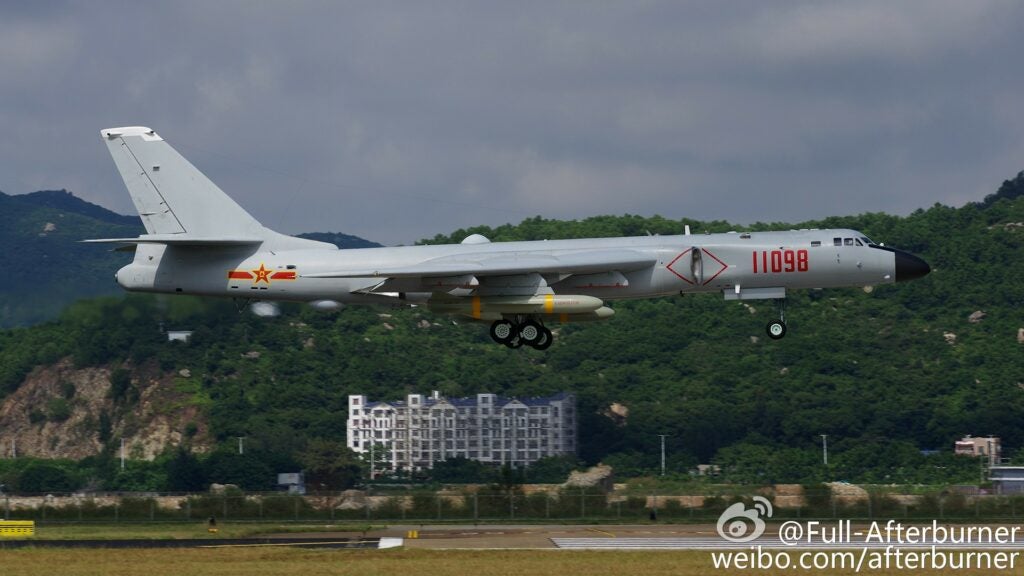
(910, 267)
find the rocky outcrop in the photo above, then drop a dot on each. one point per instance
(60, 411)
(598, 476)
(846, 494)
(617, 413)
(789, 496)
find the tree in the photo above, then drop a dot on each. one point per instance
(246, 471)
(511, 479)
(552, 469)
(120, 384)
(184, 472)
(41, 477)
(461, 470)
(329, 465)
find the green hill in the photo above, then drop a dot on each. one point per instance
(47, 268)
(884, 373)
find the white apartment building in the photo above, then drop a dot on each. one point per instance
(415, 433)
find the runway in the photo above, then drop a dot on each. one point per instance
(764, 543)
(635, 537)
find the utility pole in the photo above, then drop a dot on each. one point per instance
(663, 436)
(241, 445)
(372, 459)
(14, 448)
(824, 448)
(122, 453)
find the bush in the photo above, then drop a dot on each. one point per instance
(38, 478)
(120, 383)
(246, 471)
(58, 410)
(184, 472)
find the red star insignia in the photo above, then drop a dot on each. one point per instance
(261, 274)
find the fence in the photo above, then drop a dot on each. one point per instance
(566, 505)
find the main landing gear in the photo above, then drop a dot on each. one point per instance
(523, 331)
(777, 328)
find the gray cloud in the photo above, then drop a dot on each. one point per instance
(398, 120)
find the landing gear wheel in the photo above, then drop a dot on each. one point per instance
(776, 329)
(530, 332)
(502, 331)
(515, 342)
(545, 340)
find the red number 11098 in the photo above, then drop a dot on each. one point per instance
(776, 261)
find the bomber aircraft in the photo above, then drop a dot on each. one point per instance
(199, 241)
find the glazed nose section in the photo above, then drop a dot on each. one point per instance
(910, 267)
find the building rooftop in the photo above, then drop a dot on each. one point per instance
(471, 401)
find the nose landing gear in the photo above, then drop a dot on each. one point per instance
(527, 331)
(777, 328)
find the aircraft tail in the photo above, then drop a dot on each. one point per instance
(177, 202)
(170, 194)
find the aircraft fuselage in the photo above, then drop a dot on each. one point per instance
(199, 241)
(739, 265)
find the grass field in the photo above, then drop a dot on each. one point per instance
(285, 562)
(419, 558)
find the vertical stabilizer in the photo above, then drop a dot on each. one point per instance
(171, 195)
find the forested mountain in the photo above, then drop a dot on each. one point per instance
(885, 373)
(47, 267)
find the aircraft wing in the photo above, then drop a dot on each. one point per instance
(507, 264)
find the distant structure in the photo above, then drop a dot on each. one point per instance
(414, 433)
(179, 335)
(1007, 479)
(293, 483)
(978, 446)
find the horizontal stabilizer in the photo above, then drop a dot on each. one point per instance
(177, 240)
(505, 264)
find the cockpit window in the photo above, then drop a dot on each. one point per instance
(859, 243)
(867, 241)
(837, 241)
(848, 241)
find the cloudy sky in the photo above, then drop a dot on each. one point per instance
(398, 120)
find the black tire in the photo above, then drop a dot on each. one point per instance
(776, 329)
(502, 331)
(545, 340)
(530, 332)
